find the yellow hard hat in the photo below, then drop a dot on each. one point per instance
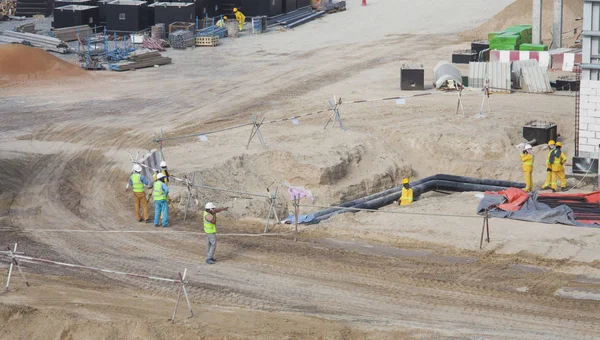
(234, 10)
(551, 142)
(405, 181)
(225, 18)
(559, 144)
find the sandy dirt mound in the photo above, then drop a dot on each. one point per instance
(19, 62)
(519, 12)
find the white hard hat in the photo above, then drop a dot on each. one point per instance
(163, 164)
(528, 147)
(161, 175)
(137, 168)
(209, 205)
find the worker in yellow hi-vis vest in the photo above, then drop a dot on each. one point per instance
(210, 228)
(407, 193)
(546, 185)
(527, 159)
(558, 160)
(138, 183)
(240, 17)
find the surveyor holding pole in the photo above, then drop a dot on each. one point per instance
(138, 183)
(160, 194)
(546, 185)
(527, 160)
(210, 228)
(558, 160)
(240, 17)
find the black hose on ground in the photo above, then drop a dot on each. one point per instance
(437, 182)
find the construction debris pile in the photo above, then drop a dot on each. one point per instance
(35, 40)
(140, 60)
(71, 33)
(181, 39)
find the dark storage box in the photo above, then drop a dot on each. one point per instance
(170, 12)
(289, 5)
(542, 132)
(302, 3)
(479, 46)
(102, 9)
(464, 57)
(583, 165)
(76, 15)
(252, 8)
(62, 3)
(567, 84)
(126, 16)
(412, 79)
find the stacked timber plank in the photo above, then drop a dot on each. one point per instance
(35, 40)
(140, 60)
(70, 33)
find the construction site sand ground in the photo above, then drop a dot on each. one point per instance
(64, 166)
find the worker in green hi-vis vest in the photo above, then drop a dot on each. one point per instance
(161, 206)
(210, 228)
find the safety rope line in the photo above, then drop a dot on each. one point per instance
(158, 140)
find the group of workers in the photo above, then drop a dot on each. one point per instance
(160, 194)
(239, 16)
(555, 167)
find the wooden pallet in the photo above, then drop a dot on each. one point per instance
(207, 41)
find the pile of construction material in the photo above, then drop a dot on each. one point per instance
(154, 44)
(295, 18)
(25, 28)
(71, 33)
(333, 7)
(7, 8)
(35, 40)
(182, 39)
(212, 31)
(140, 59)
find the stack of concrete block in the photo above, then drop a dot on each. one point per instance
(589, 118)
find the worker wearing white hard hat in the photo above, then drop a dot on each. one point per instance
(138, 182)
(210, 228)
(161, 206)
(163, 170)
(527, 160)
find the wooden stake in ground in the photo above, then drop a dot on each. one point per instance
(272, 201)
(182, 289)
(485, 228)
(335, 116)
(296, 210)
(486, 95)
(256, 130)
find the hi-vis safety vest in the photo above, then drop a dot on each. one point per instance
(407, 196)
(138, 186)
(158, 194)
(209, 227)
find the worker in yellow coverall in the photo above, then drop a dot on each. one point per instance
(240, 17)
(546, 185)
(527, 159)
(558, 160)
(407, 193)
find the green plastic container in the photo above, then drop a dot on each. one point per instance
(525, 31)
(533, 47)
(491, 35)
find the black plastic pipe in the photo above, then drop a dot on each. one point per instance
(448, 178)
(437, 182)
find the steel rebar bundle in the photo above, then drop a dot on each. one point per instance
(181, 39)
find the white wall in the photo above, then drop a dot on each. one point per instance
(589, 118)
